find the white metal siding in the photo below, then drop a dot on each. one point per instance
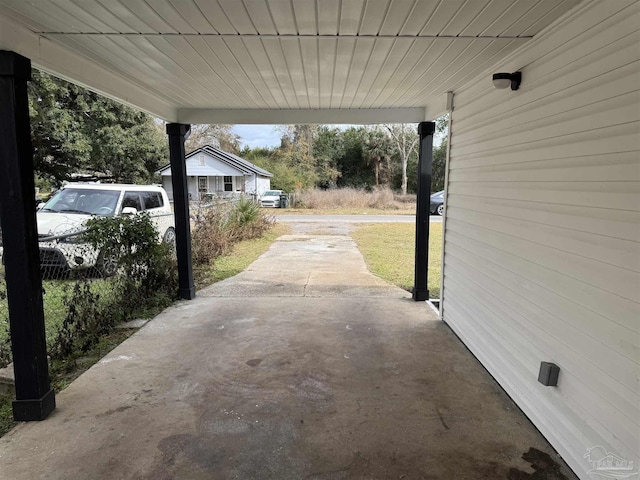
(264, 184)
(250, 184)
(542, 252)
(192, 188)
(168, 186)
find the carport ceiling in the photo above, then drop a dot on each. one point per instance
(274, 61)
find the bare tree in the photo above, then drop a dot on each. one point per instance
(216, 135)
(405, 139)
(300, 135)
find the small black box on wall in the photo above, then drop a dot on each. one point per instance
(548, 374)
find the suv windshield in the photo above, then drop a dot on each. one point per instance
(83, 201)
(271, 193)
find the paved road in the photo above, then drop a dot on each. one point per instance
(352, 218)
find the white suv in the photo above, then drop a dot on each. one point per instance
(65, 214)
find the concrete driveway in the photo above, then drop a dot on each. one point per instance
(305, 366)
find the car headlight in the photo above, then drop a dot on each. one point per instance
(73, 239)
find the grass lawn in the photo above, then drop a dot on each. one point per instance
(53, 300)
(389, 250)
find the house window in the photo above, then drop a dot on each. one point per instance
(202, 184)
(228, 184)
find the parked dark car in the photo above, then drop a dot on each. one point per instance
(437, 203)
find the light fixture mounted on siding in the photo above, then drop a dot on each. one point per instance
(504, 80)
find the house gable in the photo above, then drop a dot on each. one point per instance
(212, 167)
(217, 163)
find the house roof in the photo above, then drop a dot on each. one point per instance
(230, 159)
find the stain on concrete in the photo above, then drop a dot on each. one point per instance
(444, 424)
(191, 453)
(545, 467)
(254, 362)
(115, 410)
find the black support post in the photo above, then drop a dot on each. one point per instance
(423, 210)
(177, 134)
(35, 399)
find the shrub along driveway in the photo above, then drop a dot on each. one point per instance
(303, 366)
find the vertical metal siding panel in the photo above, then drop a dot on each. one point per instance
(510, 184)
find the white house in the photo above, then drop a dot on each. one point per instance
(214, 172)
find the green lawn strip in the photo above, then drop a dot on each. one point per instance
(55, 309)
(241, 256)
(389, 251)
(6, 414)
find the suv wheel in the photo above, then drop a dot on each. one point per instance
(107, 264)
(169, 236)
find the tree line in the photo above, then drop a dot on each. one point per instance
(76, 131)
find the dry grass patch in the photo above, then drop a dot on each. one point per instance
(349, 198)
(389, 251)
(406, 210)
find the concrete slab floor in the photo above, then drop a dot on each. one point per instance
(305, 366)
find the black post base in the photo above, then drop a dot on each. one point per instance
(420, 295)
(187, 293)
(34, 410)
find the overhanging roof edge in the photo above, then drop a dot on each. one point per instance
(62, 62)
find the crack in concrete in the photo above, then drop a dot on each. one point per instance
(304, 290)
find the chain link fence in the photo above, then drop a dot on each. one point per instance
(68, 260)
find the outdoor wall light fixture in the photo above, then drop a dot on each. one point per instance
(504, 80)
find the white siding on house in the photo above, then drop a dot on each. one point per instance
(168, 186)
(542, 235)
(250, 184)
(264, 184)
(261, 185)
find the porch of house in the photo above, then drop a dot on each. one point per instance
(210, 187)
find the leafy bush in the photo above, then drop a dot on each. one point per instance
(85, 322)
(146, 279)
(245, 212)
